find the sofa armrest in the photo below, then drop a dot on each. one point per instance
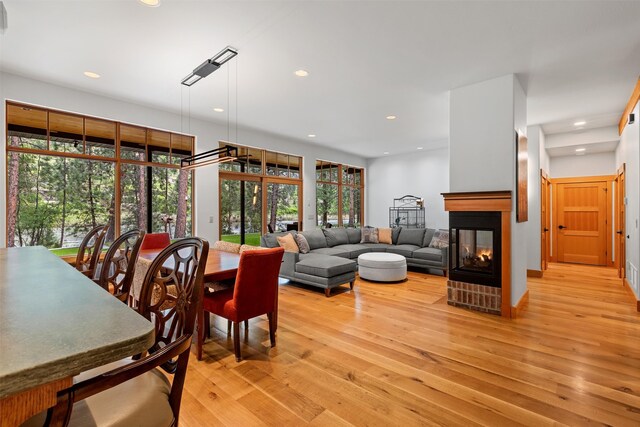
(289, 260)
(445, 258)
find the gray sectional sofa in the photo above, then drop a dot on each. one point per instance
(332, 259)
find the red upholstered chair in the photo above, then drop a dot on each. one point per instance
(156, 241)
(255, 293)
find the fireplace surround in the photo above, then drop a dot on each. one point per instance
(480, 251)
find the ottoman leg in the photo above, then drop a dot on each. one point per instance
(327, 292)
(351, 283)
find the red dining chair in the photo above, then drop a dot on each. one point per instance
(156, 241)
(255, 293)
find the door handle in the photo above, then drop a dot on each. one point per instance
(561, 227)
(546, 230)
(619, 232)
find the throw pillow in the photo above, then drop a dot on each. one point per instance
(369, 235)
(384, 235)
(252, 248)
(440, 239)
(288, 243)
(303, 245)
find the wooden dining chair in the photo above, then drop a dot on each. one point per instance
(90, 249)
(156, 241)
(136, 392)
(255, 293)
(119, 264)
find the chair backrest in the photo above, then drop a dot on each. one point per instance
(171, 290)
(156, 241)
(256, 285)
(119, 264)
(90, 249)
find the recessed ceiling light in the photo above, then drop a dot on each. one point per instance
(91, 74)
(580, 149)
(580, 123)
(150, 3)
(391, 117)
(218, 110)
(312, 135)
(386, 152)
(301, 73)
(420, 148)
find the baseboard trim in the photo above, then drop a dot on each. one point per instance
(534, 273)
(524, 301)
(627, 286)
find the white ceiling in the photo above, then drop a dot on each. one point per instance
(366, 60)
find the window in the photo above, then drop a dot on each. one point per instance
(259, 192)
(62, 170)
(339, 191)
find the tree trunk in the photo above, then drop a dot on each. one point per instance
(142, 199)
(12, 199)
(273, 208)
(92, 207)
(181, 215)
(111, 232)
(64, 200)
(351, 207)
(34, 231)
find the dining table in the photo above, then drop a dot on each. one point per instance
(54, 324)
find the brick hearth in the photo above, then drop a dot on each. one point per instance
(487, 299)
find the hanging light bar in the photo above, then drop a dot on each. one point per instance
(224, 154)
(209, 66)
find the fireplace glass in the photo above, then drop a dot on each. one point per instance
(474, 249)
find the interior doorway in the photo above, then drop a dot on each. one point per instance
(582, 211)
(545, 218)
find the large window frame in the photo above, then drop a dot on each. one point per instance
(275, 168)
(325, 176)
(154, 140)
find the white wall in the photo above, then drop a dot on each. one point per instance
(544, 156)
(483, 119)
(590, 136)
(586, 165)
(422, 174)
(628, 153)
(207, 135)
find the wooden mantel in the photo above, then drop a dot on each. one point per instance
(490, 201)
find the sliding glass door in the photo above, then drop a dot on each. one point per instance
(282, 207)
(240, 211)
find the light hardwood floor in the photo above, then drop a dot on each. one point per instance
(399, 355)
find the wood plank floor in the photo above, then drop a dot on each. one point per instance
(399, 355)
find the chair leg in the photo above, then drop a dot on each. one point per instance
(272, 328)
(327, 292)
(228, 327)
(236, 341)
(246, 325)
(200, 334)
(351, 283)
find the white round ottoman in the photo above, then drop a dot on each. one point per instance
(382, 267)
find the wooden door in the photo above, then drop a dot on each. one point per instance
(620, 236)
(545, 220)
(581, 222)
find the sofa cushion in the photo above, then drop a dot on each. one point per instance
(429, 254)
(428, 235)
(376, 247)
(404, 250)
(303, 245)
(369, 235)
(354, 235)
(315, 238)
(354, 250)
(325, 266)
(336, 236)
(331, 251)
(395, 233)
(440, 239)
(411, 236)
(270, 240)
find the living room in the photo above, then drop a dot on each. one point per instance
(437, 100)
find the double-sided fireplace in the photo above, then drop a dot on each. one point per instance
(479, 251)
(475, 253)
